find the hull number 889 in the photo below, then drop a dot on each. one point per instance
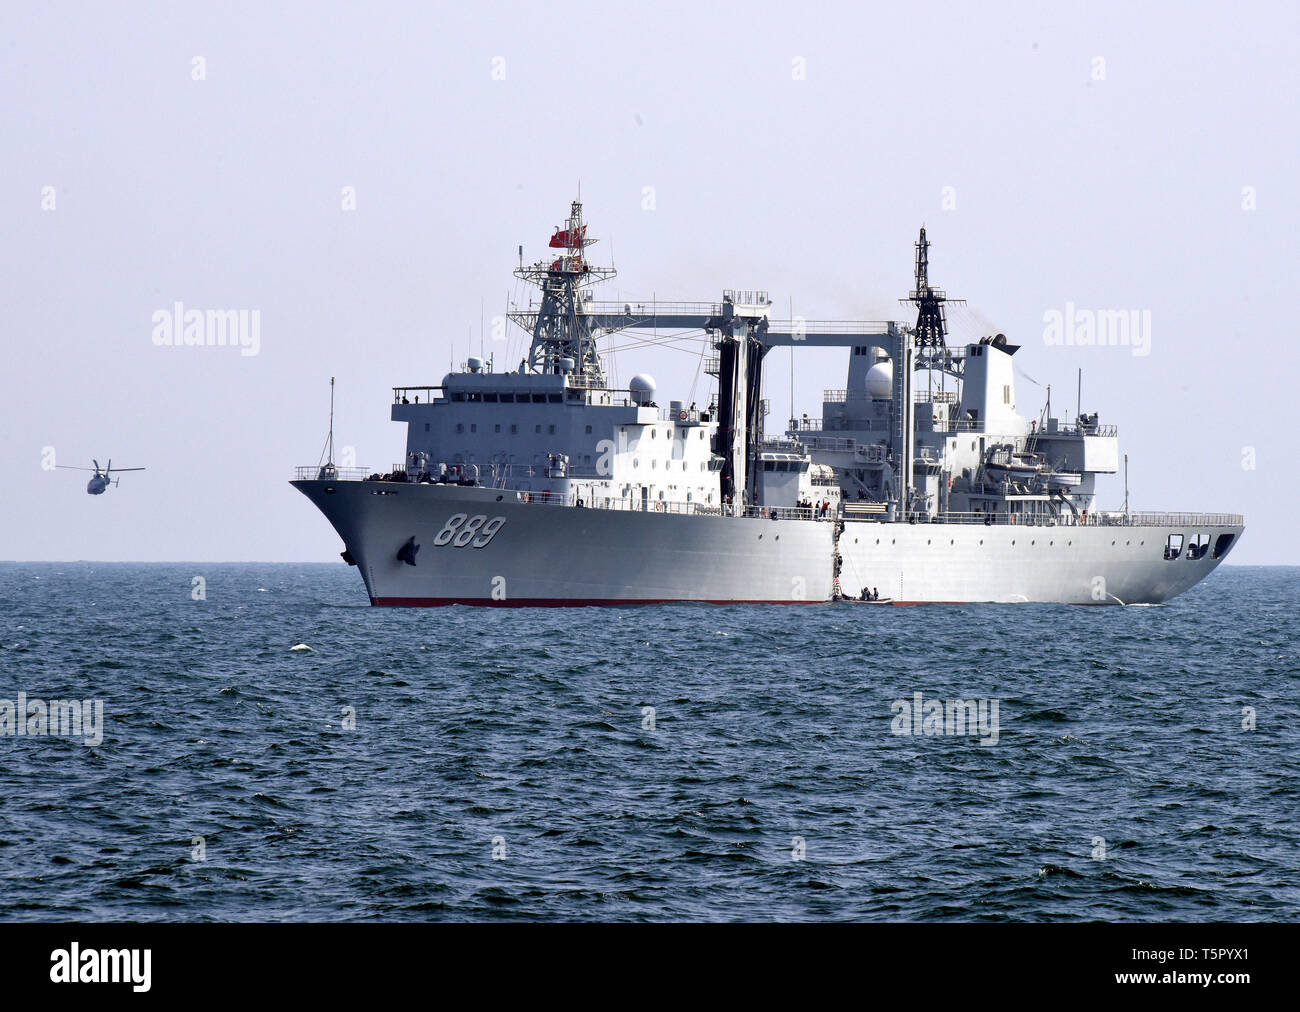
(462, 530)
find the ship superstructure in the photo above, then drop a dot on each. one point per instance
(546, 484)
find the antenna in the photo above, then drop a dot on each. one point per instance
(1126, 486)
(1078, 404)
(330, 460)
(792, 414)
(931, 325)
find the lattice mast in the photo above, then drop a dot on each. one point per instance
(931, 324)
(562, 330)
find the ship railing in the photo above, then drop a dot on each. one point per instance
(577, 381)
(866, 328)
(323, 472)
(830, 444)
(636, 505)
(404, 395)
(1077, 430)
(1183, 519)
(683, 416)
(651, 308)
(1094, 518)
(837, 396)
(781, 446)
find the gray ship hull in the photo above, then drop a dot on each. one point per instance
(483, 546)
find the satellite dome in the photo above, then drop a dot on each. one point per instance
(642, 387)
(880, 381)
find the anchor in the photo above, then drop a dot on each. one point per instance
(407, 552)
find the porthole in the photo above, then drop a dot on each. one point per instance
(981, 541)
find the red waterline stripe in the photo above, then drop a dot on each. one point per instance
(550, 602)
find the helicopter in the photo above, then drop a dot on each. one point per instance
(98, 485)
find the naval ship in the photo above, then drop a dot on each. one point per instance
(550, 485)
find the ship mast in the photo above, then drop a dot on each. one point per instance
(931, 326)
(562, 329)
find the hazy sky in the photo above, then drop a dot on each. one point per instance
(1137, 157)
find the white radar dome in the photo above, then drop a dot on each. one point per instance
(642, 387)
(880, 381)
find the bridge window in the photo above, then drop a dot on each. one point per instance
(589, 430)
(496, 428)
(514, 430)
(1198, 547)
(1173, 547)
(460, 426)
(1223, 543)
(473, 428)
(551, 429)
(537, 429)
